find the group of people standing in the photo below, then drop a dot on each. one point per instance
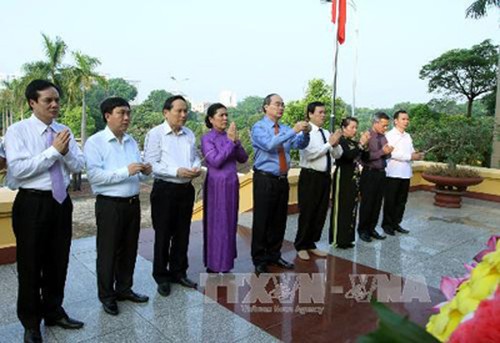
(42, 153)
(374, 170)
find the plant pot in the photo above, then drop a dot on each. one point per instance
(449, 190)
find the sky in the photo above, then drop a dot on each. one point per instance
(251, 47)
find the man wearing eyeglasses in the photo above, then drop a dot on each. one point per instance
(272, 143)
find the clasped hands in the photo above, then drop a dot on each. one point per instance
(302, 126)
(188, 173)
(232, 132)
(134, 168)
(61, 141)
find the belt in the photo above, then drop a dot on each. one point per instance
(129, 200)
(374, 169)
(168, 183)
(35, 192)
(277, 177)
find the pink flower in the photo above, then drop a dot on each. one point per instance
(492, 243)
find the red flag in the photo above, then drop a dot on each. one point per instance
(342, 20)
(334, 11)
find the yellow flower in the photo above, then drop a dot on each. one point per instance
(484, 280)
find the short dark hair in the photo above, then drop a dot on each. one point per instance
(348, 120)
(379, 116)
(311, 107)
(212, 110)
(36, 86)
(267, 101)
(398, 112)
(109, 104)
(169, 102)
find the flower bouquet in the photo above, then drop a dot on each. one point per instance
(472, 312)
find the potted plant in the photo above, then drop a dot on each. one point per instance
(451, 182)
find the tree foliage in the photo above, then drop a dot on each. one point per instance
(464, 72)
(479, 8)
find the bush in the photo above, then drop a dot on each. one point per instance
(452, 138)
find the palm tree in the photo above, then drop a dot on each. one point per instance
(55, 52)
(478, 10)
(79, 79)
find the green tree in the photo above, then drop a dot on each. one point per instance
(156, 99)
(55, 50)
(317, 90)
(466, 72)
(72, 118)
(79, 79)
(98, 92)
(479, 8)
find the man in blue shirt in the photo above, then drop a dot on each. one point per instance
(114, 169)
(272, 142)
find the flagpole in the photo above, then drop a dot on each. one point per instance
(334, 86)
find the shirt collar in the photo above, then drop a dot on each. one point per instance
(41, 127)
(168, 130)
(396, 131)
(374, 133)
(314, 127)
(269, 122)
(109, 135)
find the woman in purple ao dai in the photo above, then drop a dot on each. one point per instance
(221, 151)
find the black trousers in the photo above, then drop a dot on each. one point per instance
(171, 211)
(395, 198)
(314, 194)
(43, 231)
(371, 187)
(118, 226)
(270, 199)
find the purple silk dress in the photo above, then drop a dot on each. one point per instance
(220, 199)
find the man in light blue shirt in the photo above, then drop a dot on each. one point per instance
(114, 170)
(272, 142)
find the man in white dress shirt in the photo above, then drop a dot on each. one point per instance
(41, 153)
(398, 173)
(171, 150)
(114, 169)
(314, 181)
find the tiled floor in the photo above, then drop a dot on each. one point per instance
(441, 240)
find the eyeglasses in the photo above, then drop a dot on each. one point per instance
(279, 104)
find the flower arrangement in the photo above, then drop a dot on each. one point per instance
(472, 313)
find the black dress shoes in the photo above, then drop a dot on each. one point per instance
(282, 264)
(376, 235)
(65, 323)
(32, 336)
(164, 289)
(134, 297)
(261, 268)
(110, 307)
(184, 281)
(345, 246)
(400, 229)
(365, 237)
(389, 231)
